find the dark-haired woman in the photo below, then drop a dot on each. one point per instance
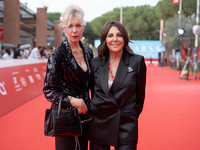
(7, 54)
(118, 82)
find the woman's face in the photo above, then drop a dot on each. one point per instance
(114, 40)
(73, 29)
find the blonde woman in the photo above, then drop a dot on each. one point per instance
(68, 73)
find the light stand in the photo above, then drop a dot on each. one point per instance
(187, 60)
(121, 14)
(186, 65)
(196, 31)
(198, 69)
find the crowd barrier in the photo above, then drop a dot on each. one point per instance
(20, 81)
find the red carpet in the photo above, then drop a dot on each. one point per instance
(169, 121)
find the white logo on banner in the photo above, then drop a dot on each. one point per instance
(145, 48)
(17, 86)
(35, 69)
(15, 72)
(27, 70)
(2, 89)
(38, 76)
(31, 79)
(23, 81)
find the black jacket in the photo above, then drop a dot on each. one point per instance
(115, 112)
(64, 78)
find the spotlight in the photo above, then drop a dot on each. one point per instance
(83, 38)
(181, 31)
(45, 4)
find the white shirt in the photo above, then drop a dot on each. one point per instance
(6, 56)
(110, 83)
(24, 53)
(35, 54)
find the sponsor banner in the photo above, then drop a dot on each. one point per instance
(146, 48)
(1, 33)
(19, 84)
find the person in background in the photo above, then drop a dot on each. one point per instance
(43, 52)
(68, 73)
(118, 82)
(29, 50)
(7, 54)
(24, 53)
(17, 54)
(1, 51)
(49, 51)
(35, 53)
(151, 61)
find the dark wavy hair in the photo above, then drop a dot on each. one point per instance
(8, 51)
(102, 49)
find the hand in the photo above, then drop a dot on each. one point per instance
(79, 104)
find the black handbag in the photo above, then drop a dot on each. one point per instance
(63, 122)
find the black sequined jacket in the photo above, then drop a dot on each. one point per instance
(64, 78)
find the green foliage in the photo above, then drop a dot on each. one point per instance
(52, 16)
(89, 34)
(166, 9)
(143, 22)
(140, 22)
(172, 39)
(98, 23)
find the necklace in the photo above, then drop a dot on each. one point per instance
(110, 68)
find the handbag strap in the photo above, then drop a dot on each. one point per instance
(77, 143)
(71, 108)
(87, 119)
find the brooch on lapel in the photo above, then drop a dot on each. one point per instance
(130, 69)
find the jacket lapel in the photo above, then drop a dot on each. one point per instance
(74, 65)
(104, 81)
(122, 71)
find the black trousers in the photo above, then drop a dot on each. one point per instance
(94, 146)
(69, 143)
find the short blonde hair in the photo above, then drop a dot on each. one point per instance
(70, 12)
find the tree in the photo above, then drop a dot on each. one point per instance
(52, 16)
(98, 23)
(172, 39)
(140, 21)
(89, 34)
(166, 9)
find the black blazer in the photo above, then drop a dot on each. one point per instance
(64, 76)
(115, 112)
